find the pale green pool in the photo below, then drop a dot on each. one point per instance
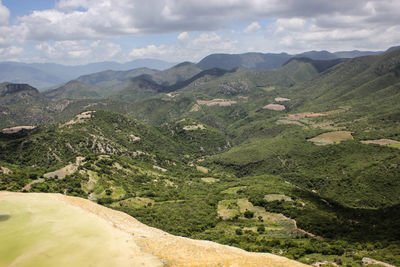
(44, 231)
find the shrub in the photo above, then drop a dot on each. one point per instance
(248, 214)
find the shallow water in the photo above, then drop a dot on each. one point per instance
(47, 232)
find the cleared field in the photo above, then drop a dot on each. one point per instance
(67, 170)
(331, 138)
(383, 142)
(268, 217)
(17, 129)
(136, 202)
(56, 230)
(299, 116)
(281, 99)
(80, 118)
(277, 197)
(5, 170)
(202, 169)
(194, 127)
(276, 107)
(228, 209)
(217, 102)
(276, 225)
(209, 180)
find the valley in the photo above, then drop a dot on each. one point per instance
(301, 161)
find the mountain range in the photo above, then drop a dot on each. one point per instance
(48, 75)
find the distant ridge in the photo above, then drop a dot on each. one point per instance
(259, 61)
(247, 60)
(51, 75)
(393, 48)
(46, 75)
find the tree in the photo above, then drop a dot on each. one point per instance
(248, 214)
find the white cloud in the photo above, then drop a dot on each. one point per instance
(74, 52)
(93, 19)
(11, 53)
(4, 14)
(193, 49)
(253, 27)
(149, 51)
(183, 36)
(71, 4)
(292, 24)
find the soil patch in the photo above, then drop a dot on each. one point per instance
(281, 99)
(5, 170)
(210, 180)
(67, 170)
(159, 168)
(29, 186)
(194, 127)
(299, 116)
(16, 129)
(228, 209)
(276, 107)
(80, 118)
(277, 197)
(382, 142)
(202, 169)
(134, 138)
(369, 261)
(331, 138)
(217, 102)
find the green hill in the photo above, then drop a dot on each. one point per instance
(21, 104)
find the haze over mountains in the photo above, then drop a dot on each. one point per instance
(46, 75)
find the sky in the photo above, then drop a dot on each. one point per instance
(82, 31)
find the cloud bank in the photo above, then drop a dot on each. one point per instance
(73, 27)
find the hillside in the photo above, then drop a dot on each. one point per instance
(73, 90)
(238, 91)
(21, 104)
(346, 97)
(147, 85)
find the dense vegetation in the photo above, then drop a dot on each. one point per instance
(209, 161)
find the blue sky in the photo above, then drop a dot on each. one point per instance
(83, 31)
